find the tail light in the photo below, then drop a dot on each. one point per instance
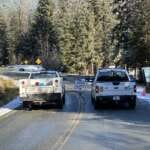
(23, 82)
(134, 88)
(97, 89)
(56, 82)
(36, 83)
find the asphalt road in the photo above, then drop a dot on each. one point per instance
(77, 127)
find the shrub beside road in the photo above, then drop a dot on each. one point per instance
(8, 91)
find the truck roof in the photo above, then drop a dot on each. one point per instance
(111, 69)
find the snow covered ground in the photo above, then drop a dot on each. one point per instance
(10, 106)
(142, 95)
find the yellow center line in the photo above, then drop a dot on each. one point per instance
(67, 134)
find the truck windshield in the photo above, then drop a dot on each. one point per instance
(110, 76)
(43, 75)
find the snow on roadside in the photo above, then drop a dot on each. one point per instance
(10, 106)
(16, 102)
(140, 96)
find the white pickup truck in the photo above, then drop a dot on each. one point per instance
(41, 88)
(113, 86)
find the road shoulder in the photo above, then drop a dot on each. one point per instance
(10, 106)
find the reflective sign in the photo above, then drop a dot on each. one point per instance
(38, 61)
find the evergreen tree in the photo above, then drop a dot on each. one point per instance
(64, 22)
(13, 38)
(3, 42)
(104, 22)
(44, 33)
(131, 44)
(26, 48)
(145, 46)
(85, 34)
(81, 35)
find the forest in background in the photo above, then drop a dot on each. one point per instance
(77, 35)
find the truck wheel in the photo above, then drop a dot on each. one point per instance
(92, 99)
(132, 104)
(63, 99)
(60, 104)
(96, 106)
(26, 106)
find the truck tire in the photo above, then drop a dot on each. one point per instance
(60, 105)
(26, 105)
(132, 104)
(96, 106)
(63, 99)
(92, 99)
(59, 101)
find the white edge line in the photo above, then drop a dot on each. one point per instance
(10, 106)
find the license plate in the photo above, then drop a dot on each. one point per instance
(116, 98)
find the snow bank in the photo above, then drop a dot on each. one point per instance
(141, 95)
(10, 106)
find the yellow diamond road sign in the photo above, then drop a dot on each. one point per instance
(26, 62)
(38, 61)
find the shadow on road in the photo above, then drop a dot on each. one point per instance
(113, 112)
